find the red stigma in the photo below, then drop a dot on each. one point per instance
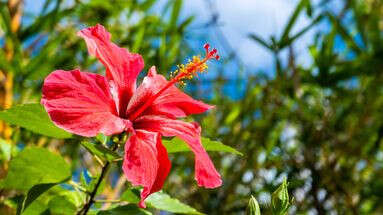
(212, 53)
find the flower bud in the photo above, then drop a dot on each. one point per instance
(280, 201)
(253, 207)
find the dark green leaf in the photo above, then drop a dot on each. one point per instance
(293, 19)
(309, 8)
(5, 18)
(56, 200)
(33, 117)
(178, 145)
(305, 29)
(33, 194)
(35, 166)
(175, 12)
(342, 30)
(261, 41)
(4, 64)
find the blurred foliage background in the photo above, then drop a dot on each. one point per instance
(319, 125)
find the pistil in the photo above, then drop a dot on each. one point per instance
(188, 71)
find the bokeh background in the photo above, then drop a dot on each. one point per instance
(298, 90)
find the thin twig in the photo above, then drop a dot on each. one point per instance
(92, 195)
(78, 187)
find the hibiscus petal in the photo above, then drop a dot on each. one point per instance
(172, 102)
(122, 66)
(80, 102)
(146, 162)
(205, 172)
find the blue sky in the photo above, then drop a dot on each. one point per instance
(237, 19)
(262, 17)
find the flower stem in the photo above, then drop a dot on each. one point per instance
(84, 210)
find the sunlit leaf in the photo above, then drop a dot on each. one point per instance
(35, 166)
(5, 150)
(160, 201)
(33, 194)
(33, 117)
(164, 202)
(61, 205)
(101, 151)
(253, 207)
(178, 145)
(131, 195)
(280, 201)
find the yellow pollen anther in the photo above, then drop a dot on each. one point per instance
(194, 66)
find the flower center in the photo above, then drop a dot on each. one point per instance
(188, 71)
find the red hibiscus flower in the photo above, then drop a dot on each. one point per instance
(87, 104)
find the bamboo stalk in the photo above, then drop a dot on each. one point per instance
(15, 8)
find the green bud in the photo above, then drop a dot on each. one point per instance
(253, 207)
(280, 201)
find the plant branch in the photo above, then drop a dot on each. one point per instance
(92, 195)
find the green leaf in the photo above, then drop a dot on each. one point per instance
(293, 19)
(33, 194)
(4, 64)
(164, 202)
(175, 12)
(147, 4)
(288, 40)
(35, 166)
(5, 150)
(234, 113)
(160, 201)
(56, 200)
(186, 23)
(138, 38)
(343, 32)
(100, 151)
(253, 207)
(60, 205)
(38, 207)
(261, 41)
(131, 195)
(178, 145)
(102, 138)
(33, 117)
(126, 209)
(280, 202)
